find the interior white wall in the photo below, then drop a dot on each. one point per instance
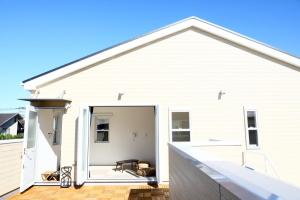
(47, 154)
(123, 122)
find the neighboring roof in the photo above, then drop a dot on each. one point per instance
(4, 117)
(46, 77)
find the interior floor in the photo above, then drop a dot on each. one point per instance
(110, 173)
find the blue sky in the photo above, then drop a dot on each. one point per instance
(39, 35)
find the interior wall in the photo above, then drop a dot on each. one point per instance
(131, 135)
(47, 154)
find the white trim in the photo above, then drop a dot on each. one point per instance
(157, 142)
(55, 183)
(157, 164)
(120, 181)
(215, 142)
(163, 32)
(248, 145)
(101, 117)
(120, 104)
(83, 139)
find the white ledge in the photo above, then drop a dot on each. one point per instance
(216, 142)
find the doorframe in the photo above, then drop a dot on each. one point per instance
(156, 115)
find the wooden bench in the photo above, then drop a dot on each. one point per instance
(121, 163)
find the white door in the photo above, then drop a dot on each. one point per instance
(29, 149)
(82, 144)
(157, 156)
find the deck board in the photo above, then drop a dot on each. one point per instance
(101, 192)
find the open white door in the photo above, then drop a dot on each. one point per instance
(157, 157)
(29, 149)
(82, 144)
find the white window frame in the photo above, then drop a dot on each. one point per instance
(99, 117)
(171, 110)
(248, 145)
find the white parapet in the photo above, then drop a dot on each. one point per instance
(195, 174)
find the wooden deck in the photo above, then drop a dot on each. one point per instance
(120, 192)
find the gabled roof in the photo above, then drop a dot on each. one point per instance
(36, 81)
(4, 117)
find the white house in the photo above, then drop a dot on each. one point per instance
(191, 81)
(11, 123)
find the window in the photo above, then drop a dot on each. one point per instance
(57, 126)
(251, 129)
(31, 137)
(180, 123)
(102, 130)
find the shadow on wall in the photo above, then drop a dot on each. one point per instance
(45, 122)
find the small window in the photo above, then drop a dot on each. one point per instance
(57, 126)
(102, 130)
(180, 127)
(251, 129)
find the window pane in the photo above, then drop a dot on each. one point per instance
(102, 136)
(180, 120)
(181, 136)
(31, 130)
(102, 127)
(102, 124)
(57, 129)
(253, 137)
(251, 117)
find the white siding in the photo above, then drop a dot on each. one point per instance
(10, 165)
(188, 70)
(13, 129)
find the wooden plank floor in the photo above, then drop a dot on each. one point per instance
(120, 192)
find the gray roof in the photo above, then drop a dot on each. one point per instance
(77, 60)
(4, 117)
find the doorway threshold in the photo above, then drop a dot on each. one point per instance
(47, 183)
(122, 181)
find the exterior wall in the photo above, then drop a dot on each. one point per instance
(231, 153)
(10, 165)
(13, 129)
(47, 154)
(10, 127)
(188, 70)
(123, 123)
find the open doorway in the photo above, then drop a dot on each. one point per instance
(48, 146)
(122, 143)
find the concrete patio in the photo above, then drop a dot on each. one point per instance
(111, 192)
